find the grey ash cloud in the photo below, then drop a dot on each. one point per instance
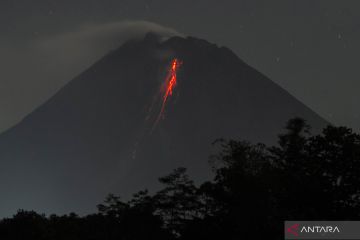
(36, 70)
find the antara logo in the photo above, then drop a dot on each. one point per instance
(294, 229)
(320, 229)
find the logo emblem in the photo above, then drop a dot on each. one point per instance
(294, 229)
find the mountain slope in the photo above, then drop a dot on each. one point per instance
(93, 136)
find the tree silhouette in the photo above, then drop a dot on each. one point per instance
(178, 202)
(254, 190)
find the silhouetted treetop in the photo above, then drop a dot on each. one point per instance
(255, 188)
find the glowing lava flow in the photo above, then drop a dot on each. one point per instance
(170, 84)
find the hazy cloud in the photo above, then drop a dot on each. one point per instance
(80, 48)
(48, 62)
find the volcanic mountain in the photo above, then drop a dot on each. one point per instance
(97, 134)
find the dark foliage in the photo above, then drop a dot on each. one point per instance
(254, 190)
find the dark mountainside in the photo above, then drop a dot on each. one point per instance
(92, 138)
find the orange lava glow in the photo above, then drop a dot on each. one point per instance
(170, 84)
(171, 81)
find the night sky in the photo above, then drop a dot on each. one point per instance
(310, 48)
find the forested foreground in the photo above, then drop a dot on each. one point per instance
(255, 188)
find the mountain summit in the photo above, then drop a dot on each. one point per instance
(97, 134)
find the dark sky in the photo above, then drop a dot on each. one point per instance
(308, 47)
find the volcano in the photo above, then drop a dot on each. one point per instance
(96, 135)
